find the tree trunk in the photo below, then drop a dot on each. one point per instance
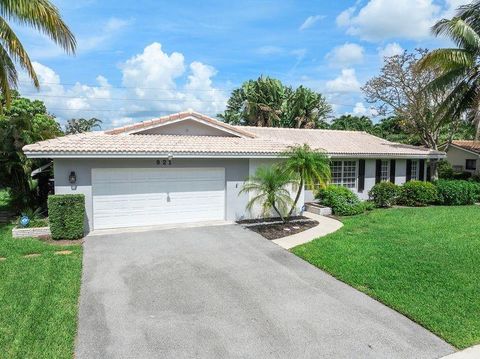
(300, 187)
(276, 210)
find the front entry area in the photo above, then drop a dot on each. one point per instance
(130, 197)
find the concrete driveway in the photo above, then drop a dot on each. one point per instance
(225, 292)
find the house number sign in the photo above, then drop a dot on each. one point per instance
(164, 162)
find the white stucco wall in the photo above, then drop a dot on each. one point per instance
(458, 157)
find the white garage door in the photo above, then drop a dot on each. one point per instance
(128, 197)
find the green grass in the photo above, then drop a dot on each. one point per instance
(423, 262)
(38, 298)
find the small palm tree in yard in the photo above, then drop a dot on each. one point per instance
(269, 186)
(310, 167)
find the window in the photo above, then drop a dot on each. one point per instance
(471, 165)
(385, 170)
(414, 171)
(344, 173)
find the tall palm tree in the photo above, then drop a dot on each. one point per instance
(305, 108)
(269, 186)
(39, 14)
(458, 68)
(311, 167)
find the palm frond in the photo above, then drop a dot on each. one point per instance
(41, 15)
(459, 31)
(8, 75)
(15, 48)
(447, 59)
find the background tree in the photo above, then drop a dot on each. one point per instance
(399, 89)
(392, 128)
(39, 14)
(79, 125)
(352, 123)
(458, 69)
(23, 123)
(269, 187)
(267, 102)
(305, 108)
(310, 167)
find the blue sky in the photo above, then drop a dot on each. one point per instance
(138, 60)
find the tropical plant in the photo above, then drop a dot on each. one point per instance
(269, 188)
(458, 68)
(305, 108)
(352, 123)
(23, 123)
(267, 102)
(39, 14)
(82, 125)
(310, 167)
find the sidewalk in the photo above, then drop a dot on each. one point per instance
(325, 226)
(469, 353)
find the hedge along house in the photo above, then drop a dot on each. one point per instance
(189, 167)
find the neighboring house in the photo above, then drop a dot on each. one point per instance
(190, 167)
(464, 156)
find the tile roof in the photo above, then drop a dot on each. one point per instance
(473, 146)
(262, 141)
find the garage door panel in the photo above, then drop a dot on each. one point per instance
(140, 197)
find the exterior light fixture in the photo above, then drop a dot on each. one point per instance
(170, 156)
(72, 178)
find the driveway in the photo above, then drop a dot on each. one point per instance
(225, 292)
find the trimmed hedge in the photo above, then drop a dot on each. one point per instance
(342, 201)
(66, 214)
(456, 192)
(418, 194)
(384, 194)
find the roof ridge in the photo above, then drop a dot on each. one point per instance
(302, 129)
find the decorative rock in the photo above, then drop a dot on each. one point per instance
(317, 208)
(30, 232)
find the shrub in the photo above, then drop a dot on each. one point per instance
(342, 201)
(455, 193)
(475, 177)
(66, 215)
(445, 170)
(369, 205)
(418, 193)
(384, 194)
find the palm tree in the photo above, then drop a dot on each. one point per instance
(268, 185)
(305, 108)
(458, 68)
(263, 101)
(39, 14)
(311, 167)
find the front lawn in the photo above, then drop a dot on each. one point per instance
(423, 262)
(38, 297)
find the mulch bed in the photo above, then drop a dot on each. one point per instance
(272, 219)
(279, 230)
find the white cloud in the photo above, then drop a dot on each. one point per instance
(381, 19)
(346, 82)
(361, 110)
(345, 55)
(391, 49)
(153, 83)
(310, 21)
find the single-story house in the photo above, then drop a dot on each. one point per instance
(464, 156)
(190, 167)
